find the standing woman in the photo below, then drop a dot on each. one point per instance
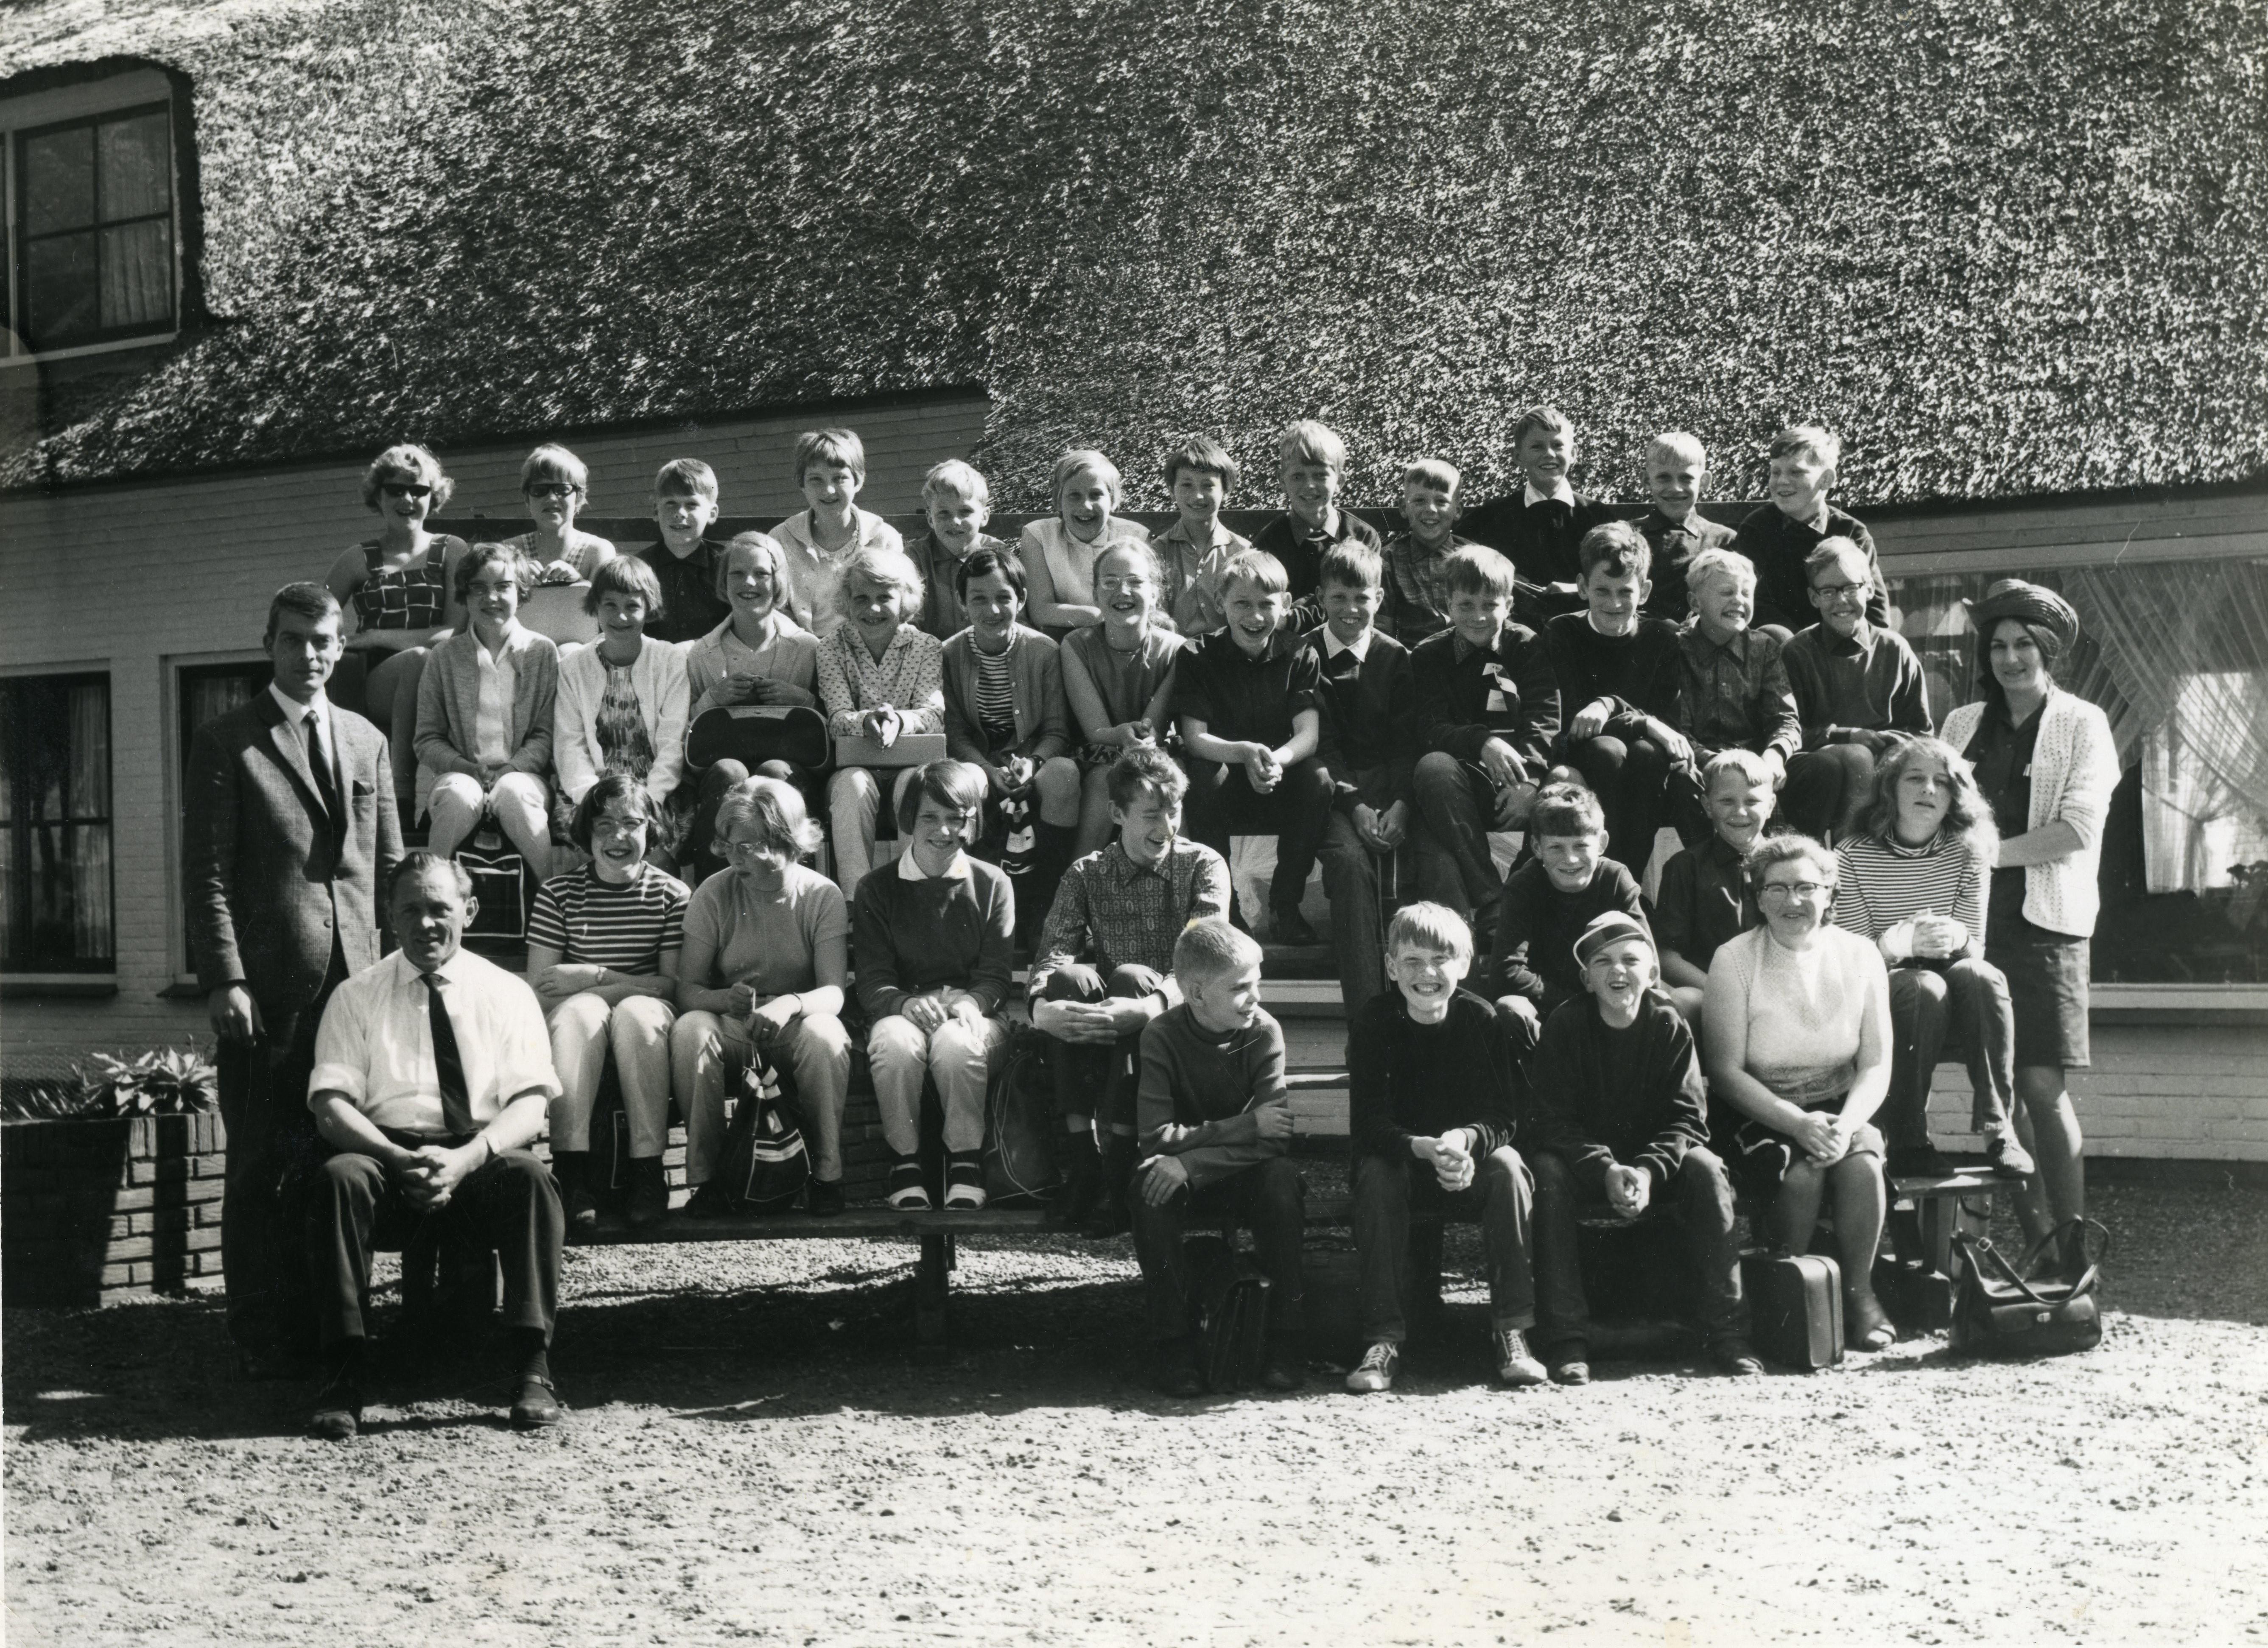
(2045, 761)
(398, 584)
(622, 703)
(554, 483)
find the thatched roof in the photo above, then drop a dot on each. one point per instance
(2007, 249)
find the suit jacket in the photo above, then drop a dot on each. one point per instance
(1370, 720)
(271, 876)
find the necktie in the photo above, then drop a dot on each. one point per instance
(456, 1103)
(327, 783)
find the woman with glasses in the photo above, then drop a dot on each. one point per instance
(556, 484)
(767, 955)
(1796, 1033)
(398, 587)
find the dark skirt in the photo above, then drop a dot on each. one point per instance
(2047, 974)
(1759, 1155)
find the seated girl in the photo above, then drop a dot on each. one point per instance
(1118, 679)
(485, 705)
(933, 948)
(554, 483)
(1058, 553)
(758, 656)
(622, 703)
(820, 539)
(1796, 1027)
(767, 955)
(1914, 872)
(879, 677)
(398, 586)
(602, 948)
(1003, 713)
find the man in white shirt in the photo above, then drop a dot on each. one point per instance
(433, 1073)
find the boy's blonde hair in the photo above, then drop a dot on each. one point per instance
(553, 462)
(687, 475)
(1429, 926)
(1540, 417)
(1211, 948)
(1477, 569)
(960, 479)
(885, 566)
(1751, 767)
(1144, 559)
(1257, 567)
(1080, 457)
(1309, 442)
(1711, 562)
(1438, 472)
(830, 446)
(1811, 439)
(1680, 445)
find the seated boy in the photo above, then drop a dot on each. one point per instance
(830, 472)
(1780, 537)
(1733, 691)
(1488, 709)
(1676, 469)
(1539, 528)
(1101, 973)
(1251, 717)
(1705, 896)
(1310, 462)
(1417, 558)
(1622, 1121)
(1567, 883)
(958, 501)
(1370, 716)
(1858, 689)
(1215, 1138)
(1200, 474)
(1434, 1080)
(1617, 673)
(685, 563)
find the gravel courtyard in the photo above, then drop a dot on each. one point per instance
(756, 1454)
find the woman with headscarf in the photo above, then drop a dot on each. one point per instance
(2045, 761)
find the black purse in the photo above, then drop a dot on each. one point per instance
(2005, 1310)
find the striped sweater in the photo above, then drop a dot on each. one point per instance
(1884, 883)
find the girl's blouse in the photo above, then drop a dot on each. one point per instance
(554, 607)
(1060, 569)
(910, 679)
(1125, 681)
(1805, 1009)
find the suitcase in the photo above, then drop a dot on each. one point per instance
(1796, 1304)
(1232, 1310)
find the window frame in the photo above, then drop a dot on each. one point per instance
(93, 976)
(180, 671)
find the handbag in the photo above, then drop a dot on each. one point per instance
(753, 734)
(2005, 1310)
(1022, 1127)
(764, 1167)
(499, 877)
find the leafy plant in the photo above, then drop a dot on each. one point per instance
(165, 1081)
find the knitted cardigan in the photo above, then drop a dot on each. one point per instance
(1035, 673)
(449, 705)
(658, 676)
(2074, 770)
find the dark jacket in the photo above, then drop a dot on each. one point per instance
(1632, 1097)
(1370, 717)
(1777, 544)
(1407, 1081)
(1508, 693)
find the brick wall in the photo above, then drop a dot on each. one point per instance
(2185, 1092)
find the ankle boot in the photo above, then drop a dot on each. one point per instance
(1109, 1218)
(1082, 1179)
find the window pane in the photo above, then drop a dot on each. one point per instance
(59, 180)
(137, 274)
(137, 167)
(90, 751)
(60, 298)
(55, 878)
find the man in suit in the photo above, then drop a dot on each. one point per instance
(292, 830)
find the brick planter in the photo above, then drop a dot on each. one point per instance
(98, 1210)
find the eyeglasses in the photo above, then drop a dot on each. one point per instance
(541, 490)
(1792, 889)
(405, 488)
(1842, 591)
(749, 850)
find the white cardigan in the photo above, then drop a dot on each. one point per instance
(2074, 770)
(660, 677)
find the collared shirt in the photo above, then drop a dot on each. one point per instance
(1191, 595)
(1736, 696)
(1675, 544)
(492, 718)
(295, 714)
(812, 572)
(1301, 546)
(1705, 900)
(1560, 493)
(1240, 696)
(1869, 679)
(908, 678)
(1111, 912)
(690, 604)
(1416, 602)
(1333, 646)
(375, 1046)
(942, 615)
(908, 869)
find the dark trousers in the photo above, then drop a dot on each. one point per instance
(271, 1151)
(509, 1202)
(1093, 1080)
(1631, 777)
(1268, 1198)
(1696, 1202)
(1967, 998)
(1823, 784)
(1457, 802)
(699, 854)
(1388, 1193)
(1352, 874)
(1223, 803)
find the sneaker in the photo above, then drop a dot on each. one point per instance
(1376, 1369)
(1515, 1365)
(709, 1201)
(1282, 1367)
(964, 1183)
(1918, 1161)
(338, 1406)
(2007, 1158)
(537, 1407)
(908, 1192)
(1178, 1372)
(1734, 1358)
(1287, 926)
(649, 1199)
(1573, 1371)
(824, 1198)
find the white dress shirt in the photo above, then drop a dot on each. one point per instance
(375, 1046)
(1360, 647)
(1560, 492)
(295, 717)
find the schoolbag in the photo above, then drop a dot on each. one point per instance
(765, 1167)
(1022, 1127)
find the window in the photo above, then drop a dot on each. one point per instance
(206, 690)
(55, 895)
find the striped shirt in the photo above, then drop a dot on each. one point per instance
(1884, 883)
(996, 697)
(624, 927)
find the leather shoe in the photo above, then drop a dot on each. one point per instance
(537, 1406)
(1284, 1368)
(824, 1198)
(2007, 1158)
(338, 1408)
(1734, 1357)
(649, 1198)
(1571, 1373)
(1287, 926)
(1178, 1372)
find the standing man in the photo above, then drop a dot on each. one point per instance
(292, 830)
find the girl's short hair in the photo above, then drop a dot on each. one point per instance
(1618, 547)
(1309, 442)
(1257, 567)
(830, 446)
(688, 476)
(414, 461)
(776, 809)
(1540, 417)
(1352, 563)
(1566, 809)
(1812, 440)
(553, 462)
(1436, 473)
(1967, 813)
(625, 575)
(1476, 569)
(1425, 925)
(984, 563)
(962, 480)
(1678, 444)
(487, 555)
(1751, 767)
(1080, 457)
(1211, 947)
(890, 568)
(1145, 768)
(611, 787)
(1779, 849)
(1145, 558)
(1205, 454)
(1716, 563)
(754, 543)
(959, 785)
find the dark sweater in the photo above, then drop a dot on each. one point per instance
(1633, 1097)
(1776, 543)
(1843, 683)
(1301, 549)
(1538, 926)
(1407, 1081)
(1705, 900)
(1199, 1091)
(1467, 696)
(1370, 715)
(1638, 674)
(690, 604)
(1543, 541)
(911, 937)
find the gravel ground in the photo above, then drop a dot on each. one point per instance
(757, 1453)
